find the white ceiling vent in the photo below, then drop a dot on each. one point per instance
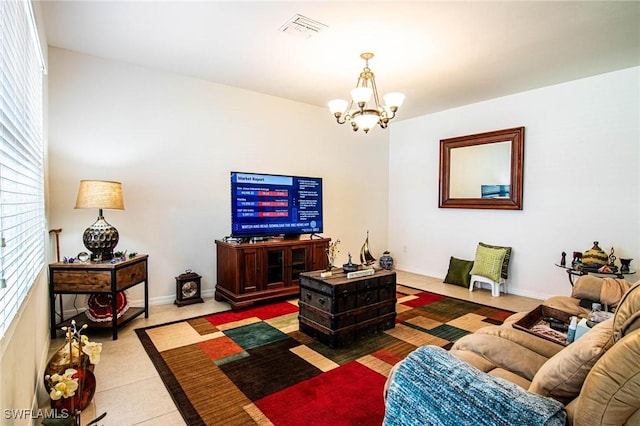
(301, 26)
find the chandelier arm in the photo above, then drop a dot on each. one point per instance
(376, 99)
(348, 115)
(338, 118)
(362, 82)
(358, 81)
(380, 112)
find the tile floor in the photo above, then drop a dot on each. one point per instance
(131, 392)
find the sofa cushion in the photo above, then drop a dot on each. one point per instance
(607, 291)
(488, 262)
(627, 316)
(502, 353)
(587, 287)
(562, 376)
(478, 361)
(458, 272)
(512, 377)
(609, 395)
(544, 347)
(504, 272)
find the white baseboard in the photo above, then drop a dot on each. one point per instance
(154, 301)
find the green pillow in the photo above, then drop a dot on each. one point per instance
(505, 263)
(458, 272)
(488, 262)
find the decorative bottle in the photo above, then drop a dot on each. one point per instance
(594, 316)
(571, 333)
(386, 261)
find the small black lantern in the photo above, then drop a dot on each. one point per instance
(188, 288)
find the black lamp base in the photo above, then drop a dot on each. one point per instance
(100, 239)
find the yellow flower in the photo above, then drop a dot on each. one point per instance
(92, 349)
(64, 385)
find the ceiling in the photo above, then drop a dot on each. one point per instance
(440, 54)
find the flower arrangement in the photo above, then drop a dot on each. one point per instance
(69, 375)
(63, 385)
(332, 252)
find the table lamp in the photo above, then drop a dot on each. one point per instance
(100, 238)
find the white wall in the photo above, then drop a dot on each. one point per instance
(172, 140)
(581, 182)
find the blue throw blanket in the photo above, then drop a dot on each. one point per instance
(433, 387)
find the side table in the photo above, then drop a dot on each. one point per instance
(98, 278)
(571, 272)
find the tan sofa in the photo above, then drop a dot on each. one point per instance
(597, 377)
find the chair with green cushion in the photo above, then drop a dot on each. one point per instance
(491, 266)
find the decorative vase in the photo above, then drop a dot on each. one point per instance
(69, 356)
(331, 253)
(624, 268)
(386, 261)
(82, 397)
(595, 257)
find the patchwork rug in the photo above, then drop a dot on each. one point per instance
(254, 367)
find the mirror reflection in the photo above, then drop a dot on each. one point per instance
(481, 171)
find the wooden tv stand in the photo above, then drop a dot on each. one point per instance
(253, 272)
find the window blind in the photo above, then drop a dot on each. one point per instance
(22, 221)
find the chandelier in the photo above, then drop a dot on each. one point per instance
(360, 112)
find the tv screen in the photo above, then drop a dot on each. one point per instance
(268, 205)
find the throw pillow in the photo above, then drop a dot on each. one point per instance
(562, 376)
(458, 272)
(488, 262)
(504, 273)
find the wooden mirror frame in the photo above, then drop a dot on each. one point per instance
(514, 202)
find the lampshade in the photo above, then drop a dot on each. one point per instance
(100, 194)
(393, 99)
(366, 121)
(361, 94)
(100, 238)
(338, 106)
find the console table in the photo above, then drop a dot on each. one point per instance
(337, 310)
(98, 278)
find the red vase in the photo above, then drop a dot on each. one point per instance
(83, 396)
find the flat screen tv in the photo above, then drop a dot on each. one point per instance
(270, 205)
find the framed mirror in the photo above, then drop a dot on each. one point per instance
(482, 171)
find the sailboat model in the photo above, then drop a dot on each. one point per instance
(366, 258)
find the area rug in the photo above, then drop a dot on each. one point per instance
(254, 367)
